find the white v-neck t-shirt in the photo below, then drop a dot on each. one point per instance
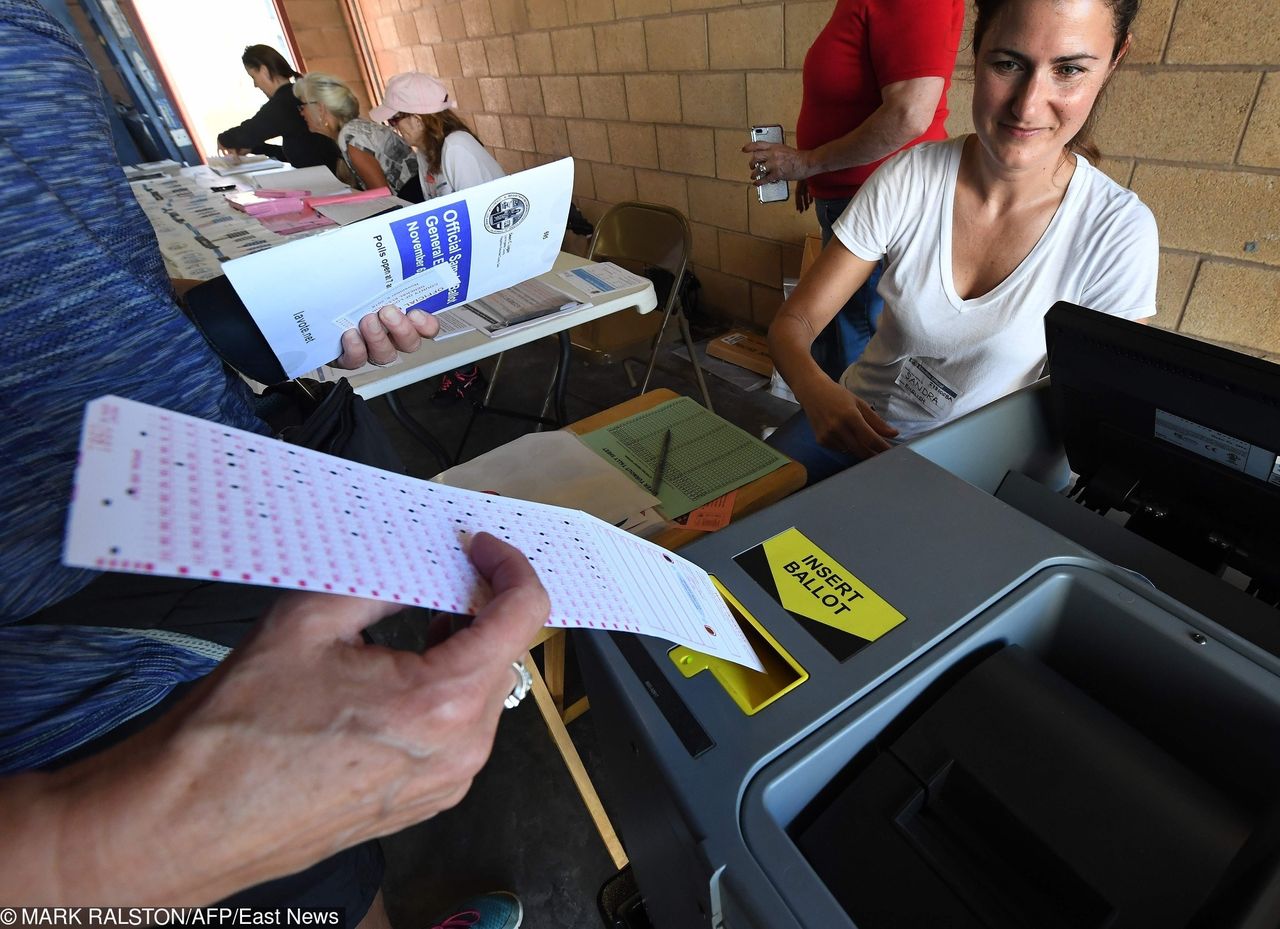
(935, 356)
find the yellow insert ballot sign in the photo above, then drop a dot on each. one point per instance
(840, 611)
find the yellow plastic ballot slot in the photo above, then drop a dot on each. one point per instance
(751, 690)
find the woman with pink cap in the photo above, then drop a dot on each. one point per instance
(450, 157)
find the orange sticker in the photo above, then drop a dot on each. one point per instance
(711, 516)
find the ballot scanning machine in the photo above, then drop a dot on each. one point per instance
(986, 702)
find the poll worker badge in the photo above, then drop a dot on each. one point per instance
(926, 388)
(841, 612)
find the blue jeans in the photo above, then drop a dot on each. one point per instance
(841, 343)
(795, 439)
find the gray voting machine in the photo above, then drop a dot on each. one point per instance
(985, 704)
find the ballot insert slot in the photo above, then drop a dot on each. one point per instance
(750, 690)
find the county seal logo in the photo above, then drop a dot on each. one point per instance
(505, 213)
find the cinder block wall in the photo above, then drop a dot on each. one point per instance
(1191, 123)
(324, 40)
(653, 99)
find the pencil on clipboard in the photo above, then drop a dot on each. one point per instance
(660, 470)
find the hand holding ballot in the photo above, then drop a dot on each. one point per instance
(379, 337)
(123, 518)
(253, 756)
(431, 256)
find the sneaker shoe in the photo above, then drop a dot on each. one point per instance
(461, 384)
(498, 910)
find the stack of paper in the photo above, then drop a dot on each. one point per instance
(319, 180)
(554, 468)
(602, 277)
(301, 221)
(707, 456)
(268, 202)
(229, 165)
(196, 228)
(148, 169)
(517, 307)
(345, 209)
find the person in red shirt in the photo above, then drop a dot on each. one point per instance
(875, 82)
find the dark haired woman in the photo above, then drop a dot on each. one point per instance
(279, 116)
(980, 236)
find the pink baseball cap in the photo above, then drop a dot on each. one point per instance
(412, 92)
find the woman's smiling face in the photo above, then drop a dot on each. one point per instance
(1039, 70)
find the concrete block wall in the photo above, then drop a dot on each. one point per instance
(653, 98)
(324, 41)
(1191, 123)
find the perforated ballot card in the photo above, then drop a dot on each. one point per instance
(157, 492)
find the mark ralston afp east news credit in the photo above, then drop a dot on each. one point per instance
(170, 916)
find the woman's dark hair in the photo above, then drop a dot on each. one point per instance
(264, 56)
(1123, 13)
(436, 126)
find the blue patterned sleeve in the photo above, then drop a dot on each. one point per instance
(87, 306)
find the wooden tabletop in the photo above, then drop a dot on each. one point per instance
(756, 495)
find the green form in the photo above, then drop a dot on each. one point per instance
(708, 456)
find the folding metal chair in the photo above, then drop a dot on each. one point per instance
(655, 236)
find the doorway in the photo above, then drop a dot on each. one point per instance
(199, 46)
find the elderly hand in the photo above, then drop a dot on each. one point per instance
(380, 337)
(305, 741)
(844, 422)
(772, 161)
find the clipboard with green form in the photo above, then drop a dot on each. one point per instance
(708, 456)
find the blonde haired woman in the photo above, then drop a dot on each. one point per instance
(450, 157)
(373, 155)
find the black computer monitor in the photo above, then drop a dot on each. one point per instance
(1181, 433)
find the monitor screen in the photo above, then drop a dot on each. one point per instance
(1161, 424)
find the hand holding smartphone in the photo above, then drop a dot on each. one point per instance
(774, 191)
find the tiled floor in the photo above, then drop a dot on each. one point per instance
(523, 827)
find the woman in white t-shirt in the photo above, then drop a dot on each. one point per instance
(980, 236)
(450, 157)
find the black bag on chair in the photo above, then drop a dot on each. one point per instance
(226, 324)
(325, 416)
(329, 417)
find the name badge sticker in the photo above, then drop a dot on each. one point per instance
(926, 388)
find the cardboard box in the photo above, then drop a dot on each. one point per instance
(745, 349)
(812, 248)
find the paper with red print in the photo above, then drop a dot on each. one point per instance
(712, 516)
(157, 492)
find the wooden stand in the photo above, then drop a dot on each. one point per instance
(548, 682)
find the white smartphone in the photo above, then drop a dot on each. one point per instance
(770, 193)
